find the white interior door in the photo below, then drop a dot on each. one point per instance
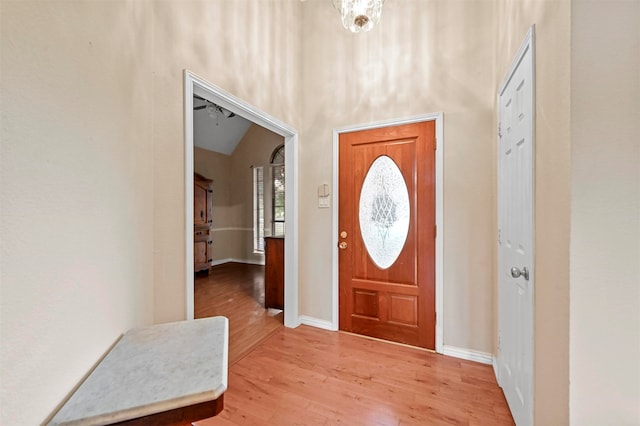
(515, 234)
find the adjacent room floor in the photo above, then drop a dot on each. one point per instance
(236, 291)
(308, 376)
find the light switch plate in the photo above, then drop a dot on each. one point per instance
(323, 202)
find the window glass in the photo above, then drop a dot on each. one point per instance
(278, 185)
(258, 209)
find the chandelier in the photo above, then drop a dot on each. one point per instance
(359, 15)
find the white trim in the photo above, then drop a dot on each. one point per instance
(318, 323)
(236, 260)
(195, 84)
(440, 236)
(188, 190)
(439, 262)
(291, 231)
(494, 364)
(232, 229)
(468, 354)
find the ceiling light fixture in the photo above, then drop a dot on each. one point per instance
(359, 15)
(214, 110)
(217, 111)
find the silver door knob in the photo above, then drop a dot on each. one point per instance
(517, 273)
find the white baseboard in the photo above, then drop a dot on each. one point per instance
(318, 323)
(233, 259)
(249, 261)
(468, 354)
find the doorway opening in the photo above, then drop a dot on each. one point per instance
(230, 105)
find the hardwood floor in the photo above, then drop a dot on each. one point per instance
(236, 291)
(307, 376)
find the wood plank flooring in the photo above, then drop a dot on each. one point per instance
(236, 291)
(307, 376)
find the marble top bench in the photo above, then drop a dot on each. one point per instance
(171, 373)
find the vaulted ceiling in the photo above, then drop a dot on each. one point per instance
(214, 131)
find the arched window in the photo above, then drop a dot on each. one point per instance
(278, 180)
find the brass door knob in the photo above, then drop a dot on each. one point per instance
(343, 245)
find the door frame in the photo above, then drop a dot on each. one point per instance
(439, 163)
(195, 84)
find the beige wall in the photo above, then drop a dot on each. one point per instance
(250, 48)
(93, 168)
(233, 192)
(254, 150)
(605, 213)
(552, 191)
(423, 57)
(217, 167)
(76, 165)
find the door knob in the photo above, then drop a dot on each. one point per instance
(343, 245)
(517, 273)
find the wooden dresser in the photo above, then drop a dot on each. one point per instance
(274, 272)
(202, 223)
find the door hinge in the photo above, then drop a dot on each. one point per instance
(499, 130)
(499, 236)
(435, 231)
(435, 144)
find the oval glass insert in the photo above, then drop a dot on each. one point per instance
(384, 212)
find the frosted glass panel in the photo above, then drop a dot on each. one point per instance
(384, 212)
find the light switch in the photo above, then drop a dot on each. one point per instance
(323, 202)
(323, 190)
(323, 196)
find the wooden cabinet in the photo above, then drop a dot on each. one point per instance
(202, 223)
(202, 201)
(274, 272)
(202, 248)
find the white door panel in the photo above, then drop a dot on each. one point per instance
(515, 223)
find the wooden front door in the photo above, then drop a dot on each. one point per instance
(387, 233)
